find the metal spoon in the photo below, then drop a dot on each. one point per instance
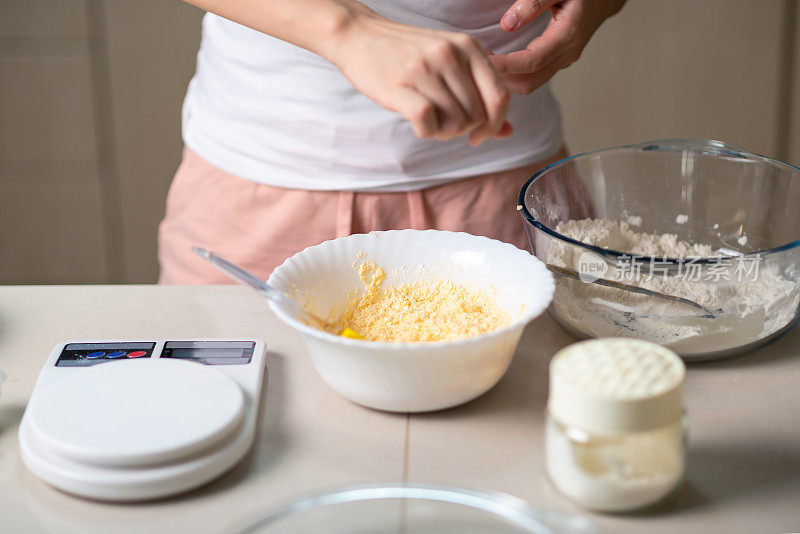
(569, 273)
(266, 290)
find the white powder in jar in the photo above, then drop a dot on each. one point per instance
(614, 437)
(615, 473)
(752, 308)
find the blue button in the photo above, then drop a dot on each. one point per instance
(117, 354)
(95, 354)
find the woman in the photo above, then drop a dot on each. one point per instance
(313, 119)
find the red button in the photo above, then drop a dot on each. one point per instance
(136, 354)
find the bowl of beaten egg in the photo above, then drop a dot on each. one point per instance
(439, 313)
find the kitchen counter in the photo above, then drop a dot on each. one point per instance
(744, 416)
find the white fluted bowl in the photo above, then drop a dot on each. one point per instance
(414, 377)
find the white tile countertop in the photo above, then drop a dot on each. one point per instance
(744, 416)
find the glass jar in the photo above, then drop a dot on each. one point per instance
(615, 436)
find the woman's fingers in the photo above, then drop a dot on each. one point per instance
(523, 12)
(525, 84)
(442, 82)
(470, 95)
(417, 109)
(494, 94)
(451, 117)
(559, 46)
(505, 130)
(563, 37)
(555, 41)
(459, 79)
(459, 87)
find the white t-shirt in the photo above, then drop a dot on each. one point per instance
(272, 112)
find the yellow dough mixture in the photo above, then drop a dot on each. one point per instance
(418, 312)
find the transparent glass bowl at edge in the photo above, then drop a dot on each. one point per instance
(414, 509)
(703, 191)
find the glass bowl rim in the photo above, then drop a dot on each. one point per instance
(703, 146)
(516, 511)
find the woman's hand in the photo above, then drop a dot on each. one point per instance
(573, 24)
(443, 83)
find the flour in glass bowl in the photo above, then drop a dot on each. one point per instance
(752, 308)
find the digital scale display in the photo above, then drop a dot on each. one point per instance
(210, 352)
(206, 352)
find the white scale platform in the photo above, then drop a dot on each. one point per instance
(135, 420)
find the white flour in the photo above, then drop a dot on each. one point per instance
(752, 308)
(621, 237)
(615, 474)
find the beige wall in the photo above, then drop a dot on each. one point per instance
(661, 69)
(90, 94)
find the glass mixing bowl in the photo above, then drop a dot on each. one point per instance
(746, 207)
(414, 509)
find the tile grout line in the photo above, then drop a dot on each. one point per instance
(403, 525)
(786, 78)
(104, 131)
(406, 447)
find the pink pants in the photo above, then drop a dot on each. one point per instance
(258, 226)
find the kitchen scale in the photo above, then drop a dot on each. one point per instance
(141, 419)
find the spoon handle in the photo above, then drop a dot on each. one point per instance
(248, 279)
(237, 273)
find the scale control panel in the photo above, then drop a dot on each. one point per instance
(208, 352)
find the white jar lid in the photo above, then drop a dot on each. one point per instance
(616, 385)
